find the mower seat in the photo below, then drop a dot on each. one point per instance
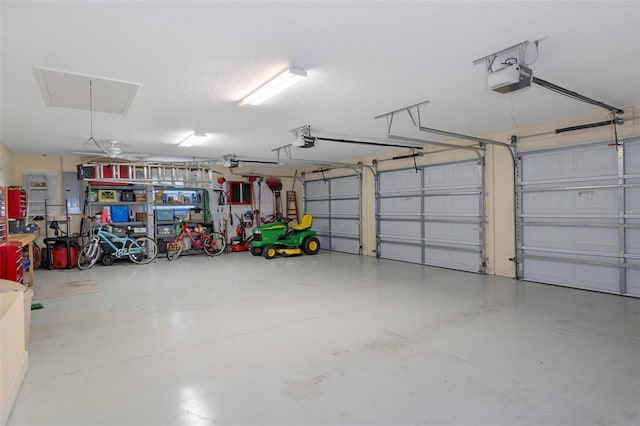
(304, 224)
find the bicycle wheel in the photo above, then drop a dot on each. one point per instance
(174, 248)
(89, 255)
(143, 250)
(214, 244)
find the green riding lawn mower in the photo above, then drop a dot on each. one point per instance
(276, 238)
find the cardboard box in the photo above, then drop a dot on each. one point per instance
(196, 217)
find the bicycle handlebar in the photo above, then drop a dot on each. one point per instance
(128, 229)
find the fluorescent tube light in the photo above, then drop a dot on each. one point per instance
(274, 86)
(192, 139)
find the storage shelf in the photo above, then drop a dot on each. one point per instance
(177, 206)
(119, 203)
(135, 208)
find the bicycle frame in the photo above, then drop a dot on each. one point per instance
(189, 232)
(124, 249)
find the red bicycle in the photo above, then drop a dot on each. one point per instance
(192, 239)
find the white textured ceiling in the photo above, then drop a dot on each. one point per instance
(196, 60)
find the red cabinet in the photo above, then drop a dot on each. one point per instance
(16, 203)
(4, 232)
(12, 262)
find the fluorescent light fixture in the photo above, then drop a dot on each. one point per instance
(274, 86)
(192, 139)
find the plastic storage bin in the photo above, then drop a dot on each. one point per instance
(119, 213)
(165, 214)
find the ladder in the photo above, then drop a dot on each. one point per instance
(292, 206)
(198, 175)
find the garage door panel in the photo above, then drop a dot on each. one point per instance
(567, 164)
(581, 256)
(457, 205)
(595, 277)
(632, 241)
(400, 229)
(400, 180)
(586, 239)
(345, 245)
(337, 209)
(321, 225)
(452, 175)
(317, 189)
(464, 233)
(345, 226)
(320, 208)
(344, 207)
(598, 202)
(346, 186)
(325, 243)
(440, 209)
(632, 201)
(449, 258)
(396, 251)
(633, 281)
(632, 157)
(400, 206)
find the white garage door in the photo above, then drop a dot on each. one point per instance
(335, 206)
(432, 215)
(579, 217)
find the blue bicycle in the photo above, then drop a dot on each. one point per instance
(108, 246)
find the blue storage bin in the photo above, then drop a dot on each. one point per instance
(165, 214)
(119, 213)
(183, 214)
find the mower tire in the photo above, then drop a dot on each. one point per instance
(311, 245)
(256, 251)
(107, 260)
(270, 252)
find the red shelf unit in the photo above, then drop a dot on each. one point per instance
(16, 203)
(4, 232)
(12, 262)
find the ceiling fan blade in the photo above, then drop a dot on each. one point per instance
(85, 153)
(259, 161)
(125, 158)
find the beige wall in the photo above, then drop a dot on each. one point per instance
(47, 162)
(499, 238)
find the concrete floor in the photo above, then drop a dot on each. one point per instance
(326, 340)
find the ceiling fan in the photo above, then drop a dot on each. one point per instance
(112, 151)
(232, 160)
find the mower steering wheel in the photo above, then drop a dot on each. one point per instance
(272, 218)
(269, 219)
